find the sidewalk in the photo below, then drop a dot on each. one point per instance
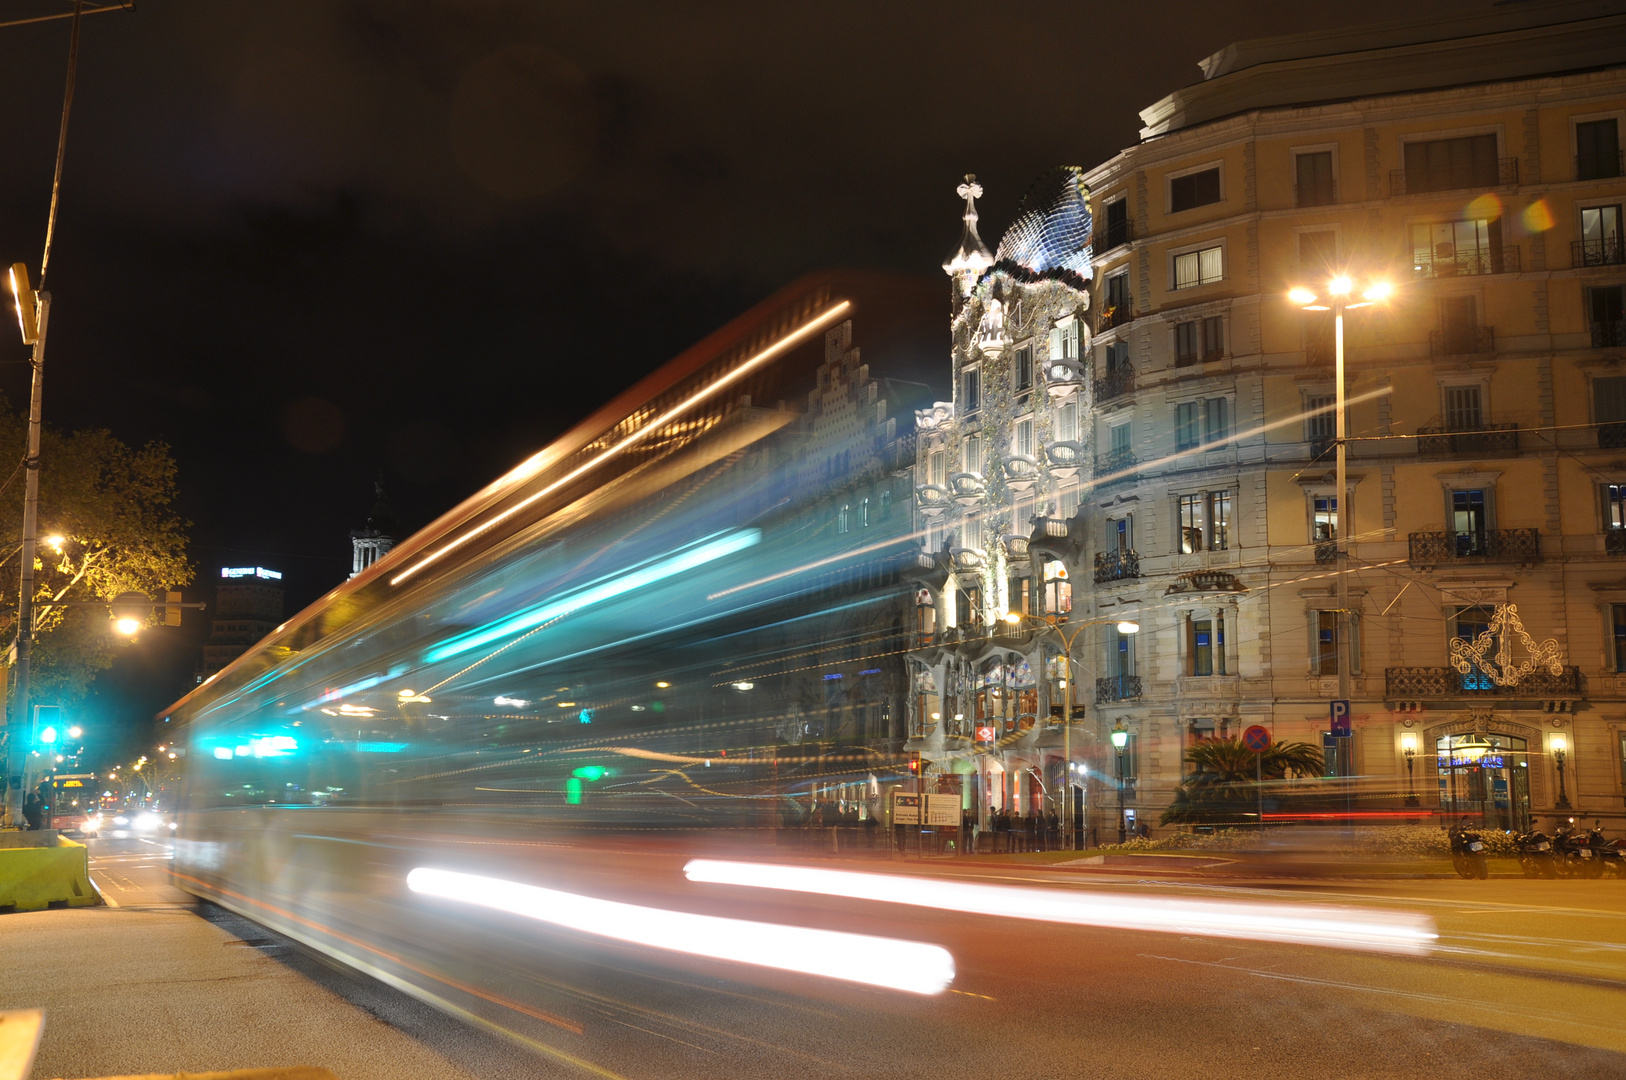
(158, 984)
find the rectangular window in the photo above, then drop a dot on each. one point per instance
(1064, 341)
(1187, 425)
(1203, 647)
(1191, 524)
(1119, 435)
(1124, 655)
(1121, 534)
(1318, 252)
(1067, 503)
(1194, 189)
(1314, 178)
(886, 505)
(1117, 357)
(1024, 437)
(1216, 422)
(1614, 506)
(1462, 411)
(1213, 337)
(1058, 591)
(971, 533)
(1067, 422)
(971, 386)
(1452, 248)
(1024, 368)
(1600, 225)
(1450, 164)
(1619, 620)
(1115, 231)
(1118, 293)
(1219, 520)
(1470, 624)
(973, 454)
(939, 468)
(844, 518)
(1185, 343)
(1324, 517)
(968, 606)
(1604, 305)
(1326, 638)
(1468, 511)
(1320, 416)
(1597, 149)
(1459, 324)
(1199, 267)
(863, 513)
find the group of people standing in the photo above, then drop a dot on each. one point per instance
(1011, 832)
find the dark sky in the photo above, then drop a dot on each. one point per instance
(308, 243)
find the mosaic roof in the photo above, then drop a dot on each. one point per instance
(1052, 227)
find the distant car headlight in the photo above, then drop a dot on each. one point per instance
(146, 822)
(121, 820)
(172, 826)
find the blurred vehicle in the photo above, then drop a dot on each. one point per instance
(1468, 852)
(121, 824)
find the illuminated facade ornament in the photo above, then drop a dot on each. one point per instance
(1052, 229)
(967, 264)
(1490, 654)
(991, 335)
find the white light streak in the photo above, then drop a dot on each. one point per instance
(913, 966)
(1300, 924)
(801, 332)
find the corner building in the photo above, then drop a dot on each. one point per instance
(1171, 460)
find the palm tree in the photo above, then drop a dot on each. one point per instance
(1221, 786)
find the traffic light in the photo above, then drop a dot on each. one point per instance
(914, 763)
(172, 609)
(47, 725)
(130, 611)
(27, 310)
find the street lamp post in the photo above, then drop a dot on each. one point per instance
(1120, 739)
(1561, 749)
(1125, 626)
(1408, 746)
(1338, 291)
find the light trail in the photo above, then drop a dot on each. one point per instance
(1407, 933)
(818, 322)
(913, 966)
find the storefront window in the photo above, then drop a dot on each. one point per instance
(1493, 787)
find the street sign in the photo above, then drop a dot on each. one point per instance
(1257, 739)
(942, 809)
(905, 808)
(985, 734)
(1340, 719)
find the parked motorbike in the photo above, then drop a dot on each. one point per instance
(1468, 852)
(1536, 858)
(1578, 851)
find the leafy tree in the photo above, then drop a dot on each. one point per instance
(1221, 787)
(106, 526)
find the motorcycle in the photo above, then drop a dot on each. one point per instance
(1468, 852)
(1536, 858)
(1578, 851)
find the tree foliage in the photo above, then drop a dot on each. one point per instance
(1222, 786)
(112, 507)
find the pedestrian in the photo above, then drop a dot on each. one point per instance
(33, 811)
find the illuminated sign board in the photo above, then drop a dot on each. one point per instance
(985, 734)
(250, 571)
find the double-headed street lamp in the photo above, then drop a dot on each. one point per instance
(1055, 623)
(1340, 297)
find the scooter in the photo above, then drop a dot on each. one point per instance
(1577, 851)
(1536, 854)
(1468, 852)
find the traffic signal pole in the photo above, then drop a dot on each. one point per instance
(20, 728)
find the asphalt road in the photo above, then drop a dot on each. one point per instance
(1529, 979)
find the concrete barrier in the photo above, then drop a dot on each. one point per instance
(34, 878)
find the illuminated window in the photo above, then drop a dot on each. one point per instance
(1324, 518)
(971, 390)
(973, 454)
(1219, 520)
(1058, 591)
(1207, 640)
(863, 513)
(1024, 437)
(939, 468)
(1067, 422)
(844, 518)
(1203, 267)
(1191, 524)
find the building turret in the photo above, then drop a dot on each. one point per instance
(967, 264)
(372, 541)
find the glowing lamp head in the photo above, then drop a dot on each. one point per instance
(663, 684)
(1013, 617)
(1301, 296)
(1560, 742)
(127, 625)
(1129, 626)
(1471, 749)
(55, 542)
(1340, 286)
(75, 732)
(1379, 291)
(1120, 737)
(1408, 742)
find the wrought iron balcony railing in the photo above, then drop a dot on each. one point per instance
(1598, 166)
(1117, 688)
(1614, 541)
(1428, 549)
(1612, 435)
(1324, 193)
(1610, 334)
(1428, 264)
(1486, 439)
(1208, 357)
(1116, 381)
(1111, 236)
(1116, 566)
(1419, 683)
(1326, 551)
(1462, 341)
(1405, 182)
(1115, 465)
(1604, 251)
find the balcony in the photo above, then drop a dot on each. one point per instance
(1326, 551)
(1064, 374)
(1324, 193)
(1065, 458)
(932, 497)
(1115, 466)
(1117, 688)
(1505, 174)
(1609, 335)
(1612, 435)
(1188, 359)
(1614, 541)
(1423, 683)
(1486, 439)
(1117, 381)
(1431, 264)
(1598, 166)
(1021, 471)
(1119, 315)
(1431, 549)
(967, 487)
(1111, 236)
(1462, 341)
(1322, 447)
(1116, 566)
(1604, 251)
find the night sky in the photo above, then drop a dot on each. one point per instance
(308, 244)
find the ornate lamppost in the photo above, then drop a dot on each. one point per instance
(1561, 749)
(1120, 739)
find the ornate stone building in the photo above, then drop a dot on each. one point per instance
(1150, 415)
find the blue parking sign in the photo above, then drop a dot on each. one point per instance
(1340, 719)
